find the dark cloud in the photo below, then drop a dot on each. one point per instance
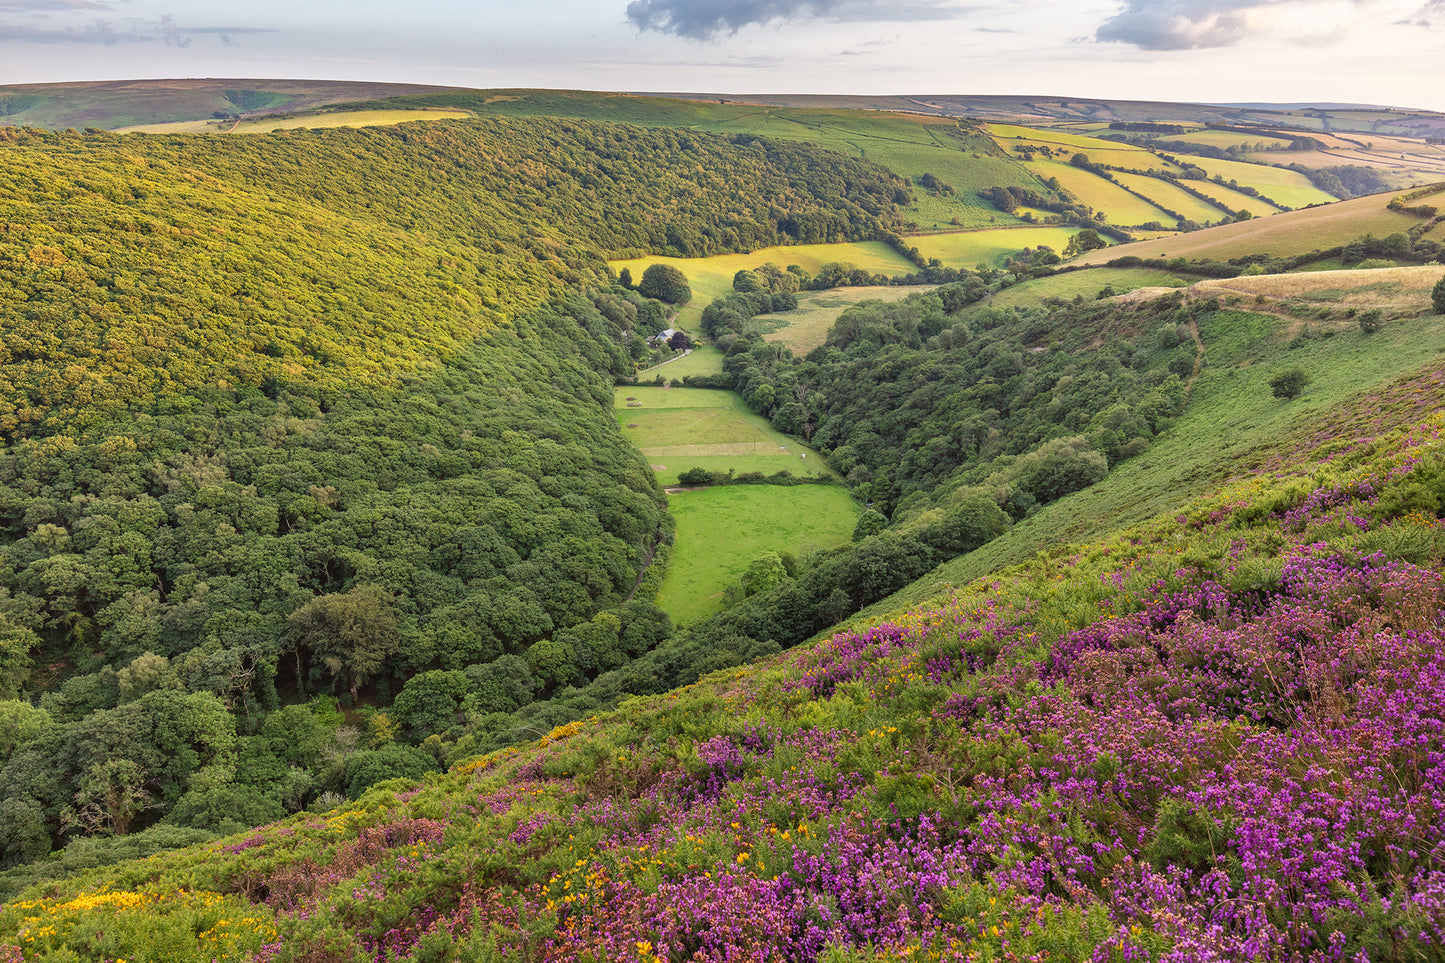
(1180, 24)
(705, 19)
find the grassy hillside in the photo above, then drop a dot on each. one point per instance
(1283, 235)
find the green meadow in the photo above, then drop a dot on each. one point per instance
(701, 360)
(681, 428)
(806, 327)
(720, 530)
(712, 277)
(1086, 284)
(967, 249)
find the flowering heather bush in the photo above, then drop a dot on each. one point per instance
(1220, 738)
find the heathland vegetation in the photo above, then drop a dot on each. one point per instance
(318, 510)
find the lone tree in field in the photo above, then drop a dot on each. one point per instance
(1289, 383)
(665, 283)
(1437, 296)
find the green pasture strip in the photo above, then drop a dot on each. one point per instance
(1234, 200)
(1172, 196)
(1228, 138)
(1119, 205)
(1087, 283)
(720, 530)
(1290, 188)
(968, 249)
(806, 327)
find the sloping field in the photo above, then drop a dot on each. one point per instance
(720, 530)
(1282, 235)
(1229, 138)
(681, 428)
(1289, 188)
(1401, 291)
(701, 360)
(806, 327)
(340, 118)
(1117, 204)
(1087, 284)
(966, 249)
(711, 277)
(1235, 200)
(1171, 196)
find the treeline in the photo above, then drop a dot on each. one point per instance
(1010, 199)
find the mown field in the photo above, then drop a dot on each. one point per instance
(701, 360)
(806, 327)
(681, 428)
(720, 530)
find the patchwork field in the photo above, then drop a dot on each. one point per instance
(1289, 188)
(806, 328)
(720, 530)
(1117, 204)
(1296, 232)
(681, 428)
(1171, 196)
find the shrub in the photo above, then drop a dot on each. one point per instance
(1289, 383)
(1370, 321)
(1437, 296)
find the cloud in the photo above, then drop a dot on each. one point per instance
(35, 6)
(1180, 24)
(105, 33)
(705, 19)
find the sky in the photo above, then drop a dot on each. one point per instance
(1386, 52)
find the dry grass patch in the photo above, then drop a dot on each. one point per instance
(1402, 290)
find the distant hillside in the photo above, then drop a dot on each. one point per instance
(128, 103)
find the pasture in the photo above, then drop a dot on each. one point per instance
(712, 277)
(1288, 188)
(1283, 235)
(1086, 284)
(806, 327)
(1117, 204)
(701, 360)
(1172, 196)
(314, 121)
(720, 530)
(968, 249)
(681, 428)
